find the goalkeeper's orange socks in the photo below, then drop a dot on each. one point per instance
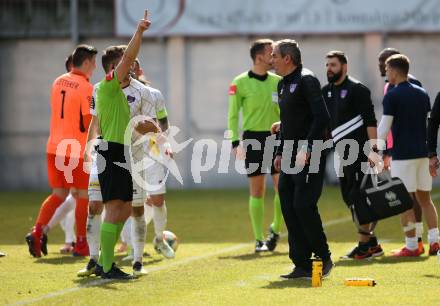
(48, 209)
(81, 212)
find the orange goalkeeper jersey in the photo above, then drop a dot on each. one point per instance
(70, 113)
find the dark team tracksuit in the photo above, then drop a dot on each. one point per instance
(304, 116)
(351, 111)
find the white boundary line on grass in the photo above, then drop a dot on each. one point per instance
(184, 261)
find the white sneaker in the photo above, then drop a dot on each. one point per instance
(138, 269)
(162, 247)
(260, 246)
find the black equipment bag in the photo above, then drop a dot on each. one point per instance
(382, 198)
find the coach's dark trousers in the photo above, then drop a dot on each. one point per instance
(299, 195)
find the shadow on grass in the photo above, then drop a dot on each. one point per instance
(124, 254)
(288, 283)
(379, 260)
(252, 256)
(432, 276)
(87, 282)
(60, 259)
(153, 261)
(147, 262)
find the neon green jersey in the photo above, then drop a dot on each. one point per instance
(257, 98)
(112, 109)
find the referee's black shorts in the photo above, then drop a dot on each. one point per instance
(115, 175)
(257, 161)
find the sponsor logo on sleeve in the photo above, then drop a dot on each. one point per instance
(232, 89)
(131, 99)
(275, 97)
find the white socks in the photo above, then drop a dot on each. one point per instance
(148, 212)
(419, 229)
(433, 235)
(411, 243)
(159, 219)
(93, 231)
(138, 233)
(126, 232)
(62, 212)
(68, 226)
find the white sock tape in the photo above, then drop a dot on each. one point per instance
(409, 227)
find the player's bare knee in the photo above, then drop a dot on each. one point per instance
(423, 198)
(74, 192)
(257, 187)
(61, 192)
(137, 211)
(125, 212)
(156, 200)
(257, 192)
(275, 179)
(95, 207)
(82, 194)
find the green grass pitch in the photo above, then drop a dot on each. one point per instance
(215, 263)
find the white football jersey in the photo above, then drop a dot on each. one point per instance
(142, 100)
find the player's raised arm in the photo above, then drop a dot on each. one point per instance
(133, 48)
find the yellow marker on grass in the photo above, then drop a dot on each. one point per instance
(360, 282)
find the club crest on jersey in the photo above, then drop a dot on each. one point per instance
(329, 94)
(131, 99)
(292, 88)
(343, 93)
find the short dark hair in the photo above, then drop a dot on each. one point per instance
(339, 55)
(399, 62)
(69, 63)
(258, 47)
(111, 55)
(387, 52)
(82, 53)
(290, 47)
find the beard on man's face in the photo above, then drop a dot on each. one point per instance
(334, 77)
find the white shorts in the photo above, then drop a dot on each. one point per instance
(156, 176)
(414, 173)
(94, 189)
(139, 193)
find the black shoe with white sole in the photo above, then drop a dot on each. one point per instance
(298, 273)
